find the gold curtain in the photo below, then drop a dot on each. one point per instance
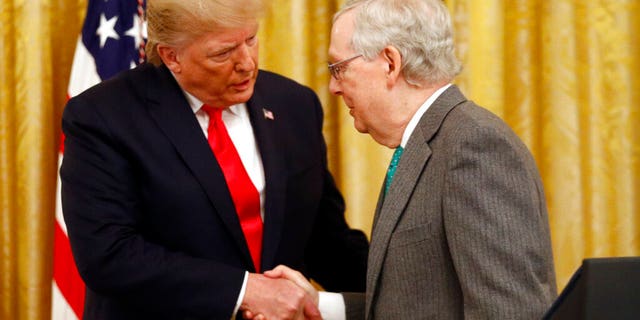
(37, 40)
(561, 73)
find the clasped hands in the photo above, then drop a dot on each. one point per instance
(281, 293)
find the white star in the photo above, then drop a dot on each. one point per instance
(135, 33)
(106, 29)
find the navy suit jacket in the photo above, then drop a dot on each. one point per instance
(151, 223)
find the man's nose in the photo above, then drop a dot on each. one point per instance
(244, 60)
(334, 86)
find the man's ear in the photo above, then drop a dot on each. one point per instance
(393, 59)
(169, 57)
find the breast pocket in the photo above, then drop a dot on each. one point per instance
(410, 236)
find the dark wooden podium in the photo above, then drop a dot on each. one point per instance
(602, 288)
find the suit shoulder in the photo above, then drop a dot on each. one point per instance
(471, 122)
(112, 92)
(471, 115)
(104, 89)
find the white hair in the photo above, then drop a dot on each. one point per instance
(419, 29)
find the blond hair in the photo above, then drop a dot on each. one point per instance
(177, 22)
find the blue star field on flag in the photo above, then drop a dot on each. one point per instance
(113, 33)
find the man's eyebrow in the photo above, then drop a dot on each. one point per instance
(224, 48)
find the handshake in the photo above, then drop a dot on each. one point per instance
(281, 293)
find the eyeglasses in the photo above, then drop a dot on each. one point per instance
(335, 69)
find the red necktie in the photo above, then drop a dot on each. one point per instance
(244, 194)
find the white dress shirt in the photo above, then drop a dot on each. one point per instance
(236, 120)
(418, 115)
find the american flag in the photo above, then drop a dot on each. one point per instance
(268, 114)
(112, 39)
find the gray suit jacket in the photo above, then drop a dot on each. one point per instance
(463, 232)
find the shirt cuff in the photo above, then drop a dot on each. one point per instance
(331, 306)
(241, 295)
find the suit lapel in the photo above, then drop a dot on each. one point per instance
(391, 207)
(171, 111)
(275, 174)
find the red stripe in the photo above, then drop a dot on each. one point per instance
(65, 273)
(61, 143)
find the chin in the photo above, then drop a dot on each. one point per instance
(360, 128)
(244, 96)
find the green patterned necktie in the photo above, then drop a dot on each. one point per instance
(392, 167)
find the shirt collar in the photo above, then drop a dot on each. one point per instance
(196, 105)
(418, 115)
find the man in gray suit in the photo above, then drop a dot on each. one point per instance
(461, 229)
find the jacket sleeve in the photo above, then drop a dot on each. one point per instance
(337, 256)
(496, 225)
(102, 210)
(355, 305)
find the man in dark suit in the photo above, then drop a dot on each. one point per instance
(461, 228)
(159, 227)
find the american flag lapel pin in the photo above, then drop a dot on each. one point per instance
(267, 114)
